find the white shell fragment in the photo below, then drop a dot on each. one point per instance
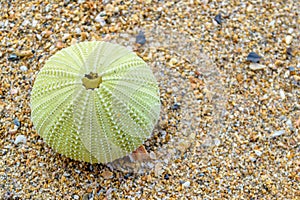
(277, 133)
(256, 66)
(20, 139)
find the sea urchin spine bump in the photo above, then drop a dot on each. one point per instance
(95, 102)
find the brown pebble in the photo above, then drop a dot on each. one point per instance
(24, 53)
(60, 45)
(239, 77)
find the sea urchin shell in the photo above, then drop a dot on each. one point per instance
(95, 102)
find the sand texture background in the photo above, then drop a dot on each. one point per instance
(229, 125)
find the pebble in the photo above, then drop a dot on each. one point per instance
(13, 57)
(288, 39)
(25, 53)
(20, 139)
(107, 174)
(277, 133)
(34, 23)
(100, 19)
(17, 122)
(289, 124)
(23, 68)
(186, 184)
(167, 176)
(253, 57)
(175, 106)
(258, 153)
(292, 70)
(282, 94)
(140, 38)
(13, 130)
(218, 18)
(256, 66)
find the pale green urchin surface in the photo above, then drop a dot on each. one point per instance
(95, 102)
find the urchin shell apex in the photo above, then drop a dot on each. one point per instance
(95, 102)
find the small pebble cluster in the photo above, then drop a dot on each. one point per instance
(240, 141)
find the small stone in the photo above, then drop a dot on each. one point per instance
(249, 9)
(25, 53)
(282, 95)
(252, 158)
(17, 122)
(186, 184)
(34, 23)
(13, 130)
(239, 77)
(292, 70)
(258, 153)
(253, 57)
(13, 57)
(78, 31)
(47, 33)
(107, 174)
(140, 38)
(289, 124)
(76, 197)
(277, 133)
(60, 45)
(167, 176)
(66, 174)
(20, 139)
(152, 155)
(218, 18)
(100, 20)
(288, 39)
(23, 68)
(14, 91)
(173, 61)
(256, 66)
(289, 51)
(175, 106)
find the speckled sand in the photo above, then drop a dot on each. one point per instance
(229, 128)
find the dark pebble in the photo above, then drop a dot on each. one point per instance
(201, 174)
(218, 18)
(292, 69)
(176, 106)
(13, 57)
(128, 175)
(289, 51)
(140, 38)
(167, 176)
(253, 57)
(17, 122)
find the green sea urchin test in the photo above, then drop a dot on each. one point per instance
(95, 102)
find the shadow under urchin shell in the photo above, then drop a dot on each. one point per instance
(190, 87)
(95, 102)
